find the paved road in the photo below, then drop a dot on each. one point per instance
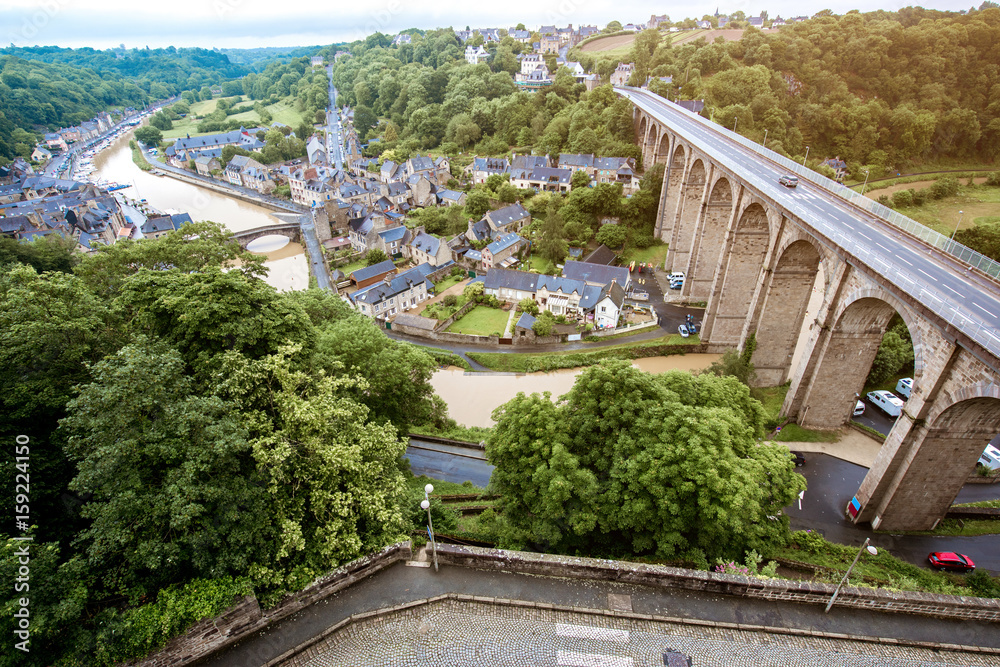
(450, 464)
(399, 584)
(307, 223)
(944, 285)
(833, 482)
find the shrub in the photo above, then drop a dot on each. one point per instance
(919, 196)
(903, 198)
(885, 200)
(946, 186)
(450, 300)
(993, 179)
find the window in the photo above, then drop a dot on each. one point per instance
(604, 309)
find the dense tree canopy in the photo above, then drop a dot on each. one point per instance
(629, 462)
(189, 423)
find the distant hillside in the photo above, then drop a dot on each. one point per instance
(260, 57)
(175, 69)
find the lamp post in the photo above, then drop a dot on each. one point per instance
(957, 224)
(872, 550)
(806, 157)
(734, 123)
(765, 138)
(426, 504)
(865, 183)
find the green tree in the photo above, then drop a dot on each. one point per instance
(173, 492)
(477, 203)
(375, 256)
(580, 179)
(895, 353)
(149, 135)
(612, 235)
(633, 463)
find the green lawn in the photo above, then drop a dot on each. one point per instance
(795, 433)
(978, 204)
(353, 266)
(656, 254)
(451, 281)
(482, 321)
(282, 111)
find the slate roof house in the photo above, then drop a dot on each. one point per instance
(508, 219)
(394, 293)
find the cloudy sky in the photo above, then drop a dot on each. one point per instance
(249, 23)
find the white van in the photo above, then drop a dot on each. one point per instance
(990, 458)
(676, 280)
(904, 386)
(886, 401)
(859, 408)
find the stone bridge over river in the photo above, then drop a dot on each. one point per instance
(755, 250)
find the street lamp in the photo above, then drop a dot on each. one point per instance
(734, 123)
(765, 138)
(426, 504)
(866, 181)
(864, 547)
(957, 224)
(806, 157)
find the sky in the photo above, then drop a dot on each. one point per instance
(252, 23)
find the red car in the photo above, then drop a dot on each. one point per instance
(947, 560)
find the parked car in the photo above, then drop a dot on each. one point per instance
(676, 280)
(948, 560)
(990, 458)
(799, 459)
(859, 408)
(886, 401)
(904, 386)
(789, 181)
(683, 330)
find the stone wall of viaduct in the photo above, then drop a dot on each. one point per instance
(756, 265)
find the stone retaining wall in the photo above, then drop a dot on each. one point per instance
(659, 576)
(973, 513)
(245, 618)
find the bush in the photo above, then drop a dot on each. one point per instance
(919, 196)
(983, 585)
(450, 300)
(946, 186)
(993, 179)
(903, 198)
(176, 608)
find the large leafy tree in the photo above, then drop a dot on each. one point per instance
(629, 462)
(173, 491)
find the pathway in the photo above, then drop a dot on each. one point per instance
(791, 628)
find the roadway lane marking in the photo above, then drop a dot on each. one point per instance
(926, 274)
(903, 261)
(953, 291)
(574, 659)
(981, 308)
(587, 632)
(864, 236)
(882, 246)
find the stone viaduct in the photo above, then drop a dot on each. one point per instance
(291, 230)
(757, 263)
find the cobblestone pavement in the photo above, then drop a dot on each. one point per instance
(453, 633)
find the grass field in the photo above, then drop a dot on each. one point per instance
(979, 204)
(481, 321)
(606, 45)
(447, 282)
(282, 111)
(656, 254)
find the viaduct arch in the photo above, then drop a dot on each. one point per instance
(756, 256)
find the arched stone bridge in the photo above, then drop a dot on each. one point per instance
(755, 251)
(291, 230)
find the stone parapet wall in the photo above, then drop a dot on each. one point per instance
(245, 618)
(659, 576)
